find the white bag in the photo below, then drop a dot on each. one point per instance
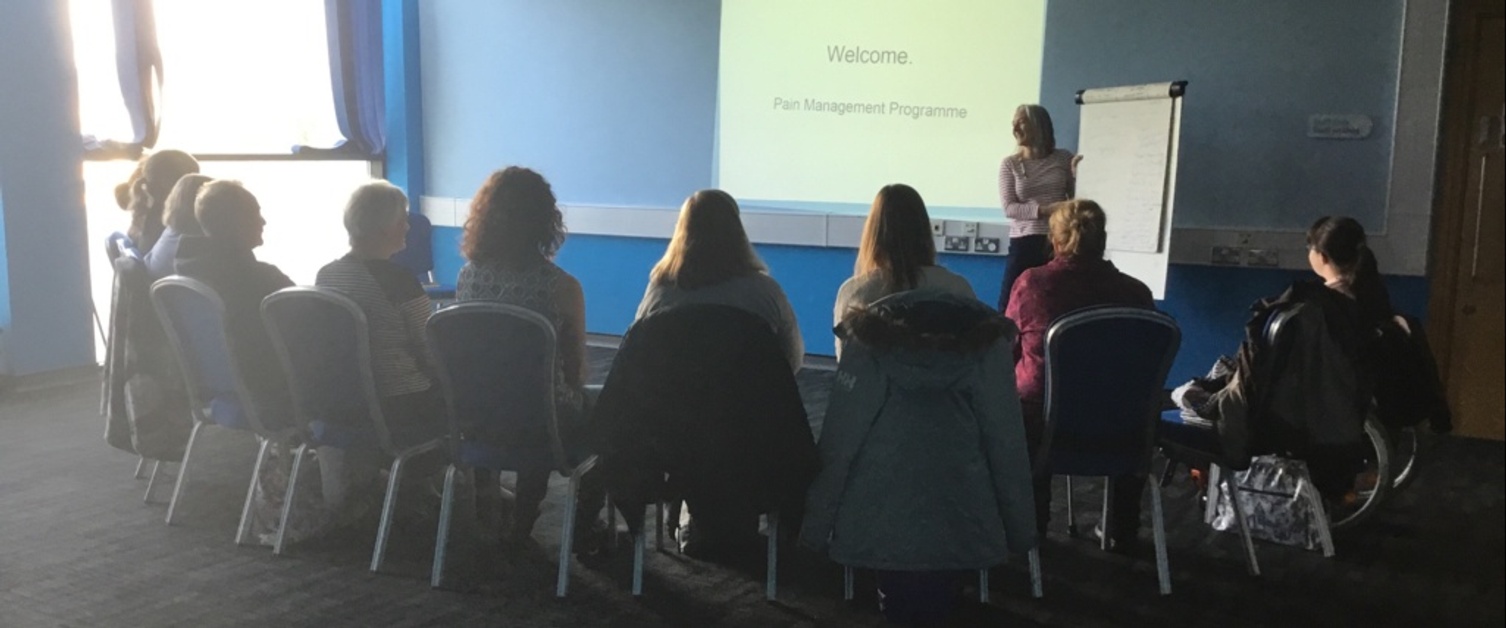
(1279, 502)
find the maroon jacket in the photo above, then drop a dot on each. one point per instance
(1044, 294)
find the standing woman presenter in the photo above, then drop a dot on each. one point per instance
(1036, 175)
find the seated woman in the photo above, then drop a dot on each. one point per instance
(159, 173)
(396, 309)
(925, 471)
(1320, 379)
(1077, 277)
(897, 253)
(710, 261)
(180, 221)
(514, 229)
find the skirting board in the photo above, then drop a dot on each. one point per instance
(1188, 246)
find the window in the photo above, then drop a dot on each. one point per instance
(242, 84)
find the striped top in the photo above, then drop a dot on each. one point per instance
(1027, 185)
(396, 308)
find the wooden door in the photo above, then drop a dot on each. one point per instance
(1469, 285)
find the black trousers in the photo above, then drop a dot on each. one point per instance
(1025, 253)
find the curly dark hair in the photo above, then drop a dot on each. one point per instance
(515, 220)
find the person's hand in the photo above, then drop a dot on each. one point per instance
(1075, 160)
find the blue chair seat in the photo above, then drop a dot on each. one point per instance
(440, 291)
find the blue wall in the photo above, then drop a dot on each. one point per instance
(42, 191)
(1255, 72)
(615, 103)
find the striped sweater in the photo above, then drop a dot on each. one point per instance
(396, 308)
(1027, 185)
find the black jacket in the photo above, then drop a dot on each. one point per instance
(145, 405)
(703, 393)
(1308, 391)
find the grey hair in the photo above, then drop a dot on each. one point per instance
(373, 207)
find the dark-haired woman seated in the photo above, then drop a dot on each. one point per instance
(514, 230)
(1077, 277)
(1318, 381)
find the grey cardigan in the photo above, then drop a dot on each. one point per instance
(924, 460)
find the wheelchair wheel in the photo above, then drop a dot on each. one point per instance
(1404, 446)
(1371, 485)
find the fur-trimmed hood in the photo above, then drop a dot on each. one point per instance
(926, 320)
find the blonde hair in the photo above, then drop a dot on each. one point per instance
(1078, 229)
(1040, 130)
(709, 245)
(897, 237)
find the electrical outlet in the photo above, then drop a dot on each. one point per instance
(991, 246)
(956, 244)
(938, 227)
(1227, 256)
(1267, 258)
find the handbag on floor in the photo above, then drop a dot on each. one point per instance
(1278, 501)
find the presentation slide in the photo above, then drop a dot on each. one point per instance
(825, 101)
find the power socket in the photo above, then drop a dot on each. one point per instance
(938, 228)
(1265, 258)
(1227, 255)
(956, 244)
(991, 246)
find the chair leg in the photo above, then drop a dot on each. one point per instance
(245, 525)
(1211, 486)
(1037, 589)
(288, 497)
(771, 584)
(639, 540)
(1071, 513)
(847, 583)
(1105, 521)
(1158, 529)
(983, 586)
(140, 466)
(1244, 528)
(172, 506)
(659, 525)
(442, 535)
(388, 505)
(568, 540)
(152, 480)
(1315, 503)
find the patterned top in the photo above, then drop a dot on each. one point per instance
(1027, 185)
(396, 308)
(531, 288)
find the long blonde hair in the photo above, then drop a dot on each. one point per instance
(709, 245)
(897, 237)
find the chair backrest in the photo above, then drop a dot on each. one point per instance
(1105, 375)
(193, 315)
(323, 342)
(496, 364)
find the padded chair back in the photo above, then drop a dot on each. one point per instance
(193, 316)
(321, 338)
(1105, 375)
(496, 365)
